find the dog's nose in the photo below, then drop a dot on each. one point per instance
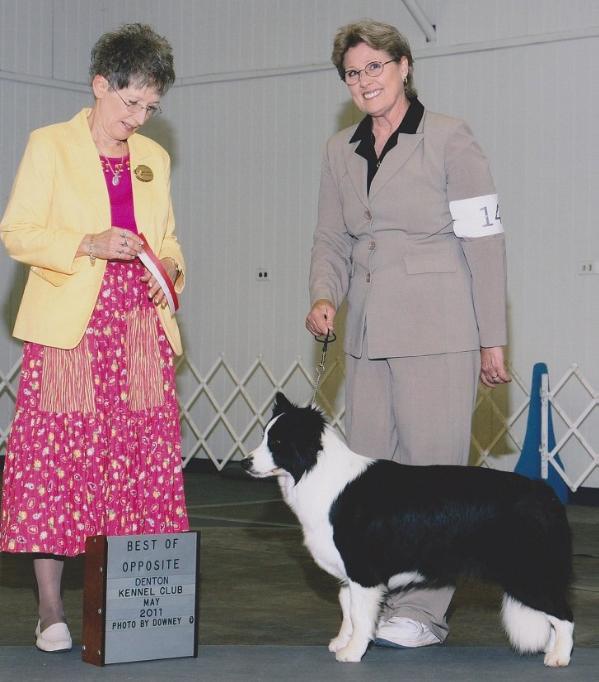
(246, 463)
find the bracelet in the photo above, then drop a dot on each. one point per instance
(90, 252)
(178, 271)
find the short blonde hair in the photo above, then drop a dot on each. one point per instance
(379, 36)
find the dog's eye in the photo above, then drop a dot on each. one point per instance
(276, 442)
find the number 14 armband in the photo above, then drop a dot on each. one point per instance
(476, 216)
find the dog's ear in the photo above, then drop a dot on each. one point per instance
(281, 404)
(302, 460)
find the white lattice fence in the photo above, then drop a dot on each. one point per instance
(504, 433)
(8, 396)
(241, 438)
(572, 428)
(223, 413)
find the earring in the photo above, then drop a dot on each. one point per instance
(405, 80)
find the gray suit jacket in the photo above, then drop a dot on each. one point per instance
(417, 287)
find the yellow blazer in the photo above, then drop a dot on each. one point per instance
(58, 196)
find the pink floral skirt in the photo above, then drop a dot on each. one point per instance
(95, 445)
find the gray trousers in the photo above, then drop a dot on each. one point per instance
(414, 410)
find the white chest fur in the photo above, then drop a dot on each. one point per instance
(311, 498)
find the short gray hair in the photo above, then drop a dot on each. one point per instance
(134, 53)
(379, 36)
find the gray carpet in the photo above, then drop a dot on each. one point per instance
(267, 611)
(309, 664)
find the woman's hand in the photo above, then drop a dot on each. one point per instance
(320, 318)
(115, 243)
(492, 367)
(155, 291)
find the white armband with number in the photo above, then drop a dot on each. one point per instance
(476, 217)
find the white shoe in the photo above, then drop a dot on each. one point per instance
(400, 633)
(54, 638)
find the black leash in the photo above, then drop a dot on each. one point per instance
(320, 367)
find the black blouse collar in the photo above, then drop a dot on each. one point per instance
(409, 123)
(365, 137)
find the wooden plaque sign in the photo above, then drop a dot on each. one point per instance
(140, 597)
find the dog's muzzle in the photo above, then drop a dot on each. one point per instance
(247, 464)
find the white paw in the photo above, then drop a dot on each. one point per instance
(554, 659)
(339, 642)
(352, 653)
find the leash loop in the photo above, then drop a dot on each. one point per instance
(330, 337)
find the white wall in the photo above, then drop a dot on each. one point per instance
(256, 99)
(524, 75)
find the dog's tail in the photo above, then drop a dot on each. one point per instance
(528, 630)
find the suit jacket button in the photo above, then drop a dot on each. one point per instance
(368, 215)
(371, 245)
(367, 278)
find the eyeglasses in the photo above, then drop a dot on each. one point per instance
(135, 107)
(372, 69)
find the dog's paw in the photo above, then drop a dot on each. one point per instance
(555, 659)
(339, 642)
(352, 653)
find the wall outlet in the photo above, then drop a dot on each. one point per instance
(588, 267)
(263, 274)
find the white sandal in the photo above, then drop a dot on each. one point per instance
(54, 638)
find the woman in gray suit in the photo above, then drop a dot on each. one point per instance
(409, 232)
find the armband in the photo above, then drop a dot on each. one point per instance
(476, 217)
(90, 252)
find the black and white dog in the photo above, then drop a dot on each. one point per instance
(377, 525)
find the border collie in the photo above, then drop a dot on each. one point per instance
(377, 526)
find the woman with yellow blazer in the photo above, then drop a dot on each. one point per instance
(95, 445)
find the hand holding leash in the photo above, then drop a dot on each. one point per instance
(320, 318)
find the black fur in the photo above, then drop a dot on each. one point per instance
(295, 441)
(447, 521)
(440, 521)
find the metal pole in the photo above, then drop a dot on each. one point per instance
(421, 19)
(544, 446)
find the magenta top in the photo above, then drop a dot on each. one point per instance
(121, 194)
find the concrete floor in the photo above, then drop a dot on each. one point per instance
(260, 587)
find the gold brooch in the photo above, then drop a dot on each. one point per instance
(144, 173)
